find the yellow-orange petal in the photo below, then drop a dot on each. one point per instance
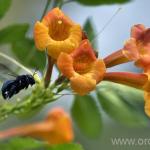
(82, 85)
(147, 103)
(41, 36)
(85, 83)
(98, 70)
(56, 129)
(137, 31)
(82, 68)
(65, 64)
(83, 57)
(85, 50)
(62, 131)
(67, 45)
(130, 49)
(54, 16)
(57, 33)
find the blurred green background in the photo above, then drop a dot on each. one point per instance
(111, 39)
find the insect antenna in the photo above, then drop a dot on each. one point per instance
(106, 24)
(13, 75)
(35, 71)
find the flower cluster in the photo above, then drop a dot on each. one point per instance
(67, 44)
(136, 49)
(55, 129)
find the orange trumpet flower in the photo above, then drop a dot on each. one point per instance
(82, 68)
(136, 49)
(57, 33)
(55, 129)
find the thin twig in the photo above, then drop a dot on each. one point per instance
(68, 1)
(48, 75)
(106, 24)
(45, 9)
(15, 62)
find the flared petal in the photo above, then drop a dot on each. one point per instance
(68, 45)
(130, 49)
(57, 33)
(54, 17)
(82, 68)
(137, 31)
(62, 131)
(137, 48)
(82, 85)
(98, 70)
(146, 37)
(65, 64)
(41, 36)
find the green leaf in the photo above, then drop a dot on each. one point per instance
(115, 106)
(101, 2)
(70, 146)
(21, 143)
(32, 144)
(22, 47)
(131, 96)
(4, 6)
(13, 33)
(28, 55)
(87, 116)
(90, 31)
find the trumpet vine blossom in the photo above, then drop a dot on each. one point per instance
(55, 129)
(136, 49)
(82, 68)
(57, 33)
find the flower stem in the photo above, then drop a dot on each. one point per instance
(49, 71)
(45, 9)
(137, 80)
(67, 1)
(115, 58)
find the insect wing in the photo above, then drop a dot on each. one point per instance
(6, 72)
(6, 84)
(6, 87)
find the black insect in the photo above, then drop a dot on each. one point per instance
(12, 87)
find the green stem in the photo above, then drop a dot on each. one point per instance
(45, 9)
(68, 1)
(57, 3)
